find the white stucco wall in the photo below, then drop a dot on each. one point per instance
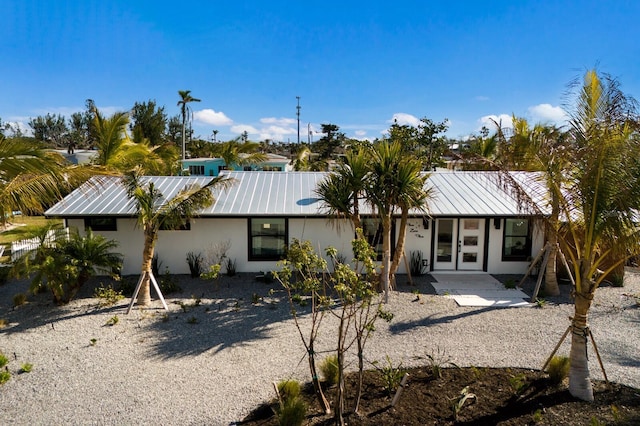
(172, 246)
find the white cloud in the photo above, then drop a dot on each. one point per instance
(503, 120)
(278, 121)
(360, 133)
(404, 118)
(280, 133)
(547, 113)
(241, 128)
(209, 116)
(481, 98)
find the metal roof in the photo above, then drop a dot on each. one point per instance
(290, 194)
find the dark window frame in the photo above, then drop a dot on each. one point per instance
(516, 254)
(252, 256)
(196, 170)
(372, 238)
(101, 223)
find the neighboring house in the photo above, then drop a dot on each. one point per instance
(78, 156)
(213, 166)
(473, 224)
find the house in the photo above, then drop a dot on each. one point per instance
(473, 224)
(213, 166)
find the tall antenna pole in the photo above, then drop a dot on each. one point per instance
(298, 114)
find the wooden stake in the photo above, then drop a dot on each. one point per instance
(406, 265)
(403, 383)
(137, 290)
(593, 342)
(564, 336)
(541, 274)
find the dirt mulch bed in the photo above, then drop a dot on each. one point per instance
(503, 396)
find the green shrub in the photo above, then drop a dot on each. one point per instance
(617, 280)
(19, 299)
(391, 376)
(3, 360)
(26, 368)
(292, 412)
(510, 283)
(128, 285)
(416, 266)
(558, 369)
(113, 320)
(4, 377)
(329, 370)
(518, 383)
(288, 389)
(108, 295)
(167, 284)
(196, 262)
(230, 264)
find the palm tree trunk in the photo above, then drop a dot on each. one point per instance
(550, 275)
(144, 296)
(386, 254)
(402, 234)
(579, 379)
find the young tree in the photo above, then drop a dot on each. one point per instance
(601, 201)
(153, 212)
(395, 181)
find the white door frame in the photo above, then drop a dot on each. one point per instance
(459, 244)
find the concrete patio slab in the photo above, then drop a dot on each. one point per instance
(477, 289)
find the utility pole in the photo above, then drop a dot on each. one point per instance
(309, 133)
(298, 114)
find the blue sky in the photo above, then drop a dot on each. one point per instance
(355, 64)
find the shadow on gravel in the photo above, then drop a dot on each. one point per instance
(40, 310)
(215, 326)
(431, 320)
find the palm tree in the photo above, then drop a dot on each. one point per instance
(394, 181)
(185, 98)
(342, 190)
(110, 137)
(118, 152)
(600, 203)
(64, 263)
(549, 146)
(239, 153)
(32, 178)
(154, 213)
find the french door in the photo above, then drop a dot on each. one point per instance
(459, 244)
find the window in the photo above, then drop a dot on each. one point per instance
(100, 223)
(272, 168)
(221, 168)
(372, 230)
(247, 168)
(517, 240)
(196, 170)
(267, 238)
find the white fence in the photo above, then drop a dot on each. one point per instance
(19, 248)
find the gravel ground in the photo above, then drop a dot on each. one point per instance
(211, 360)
